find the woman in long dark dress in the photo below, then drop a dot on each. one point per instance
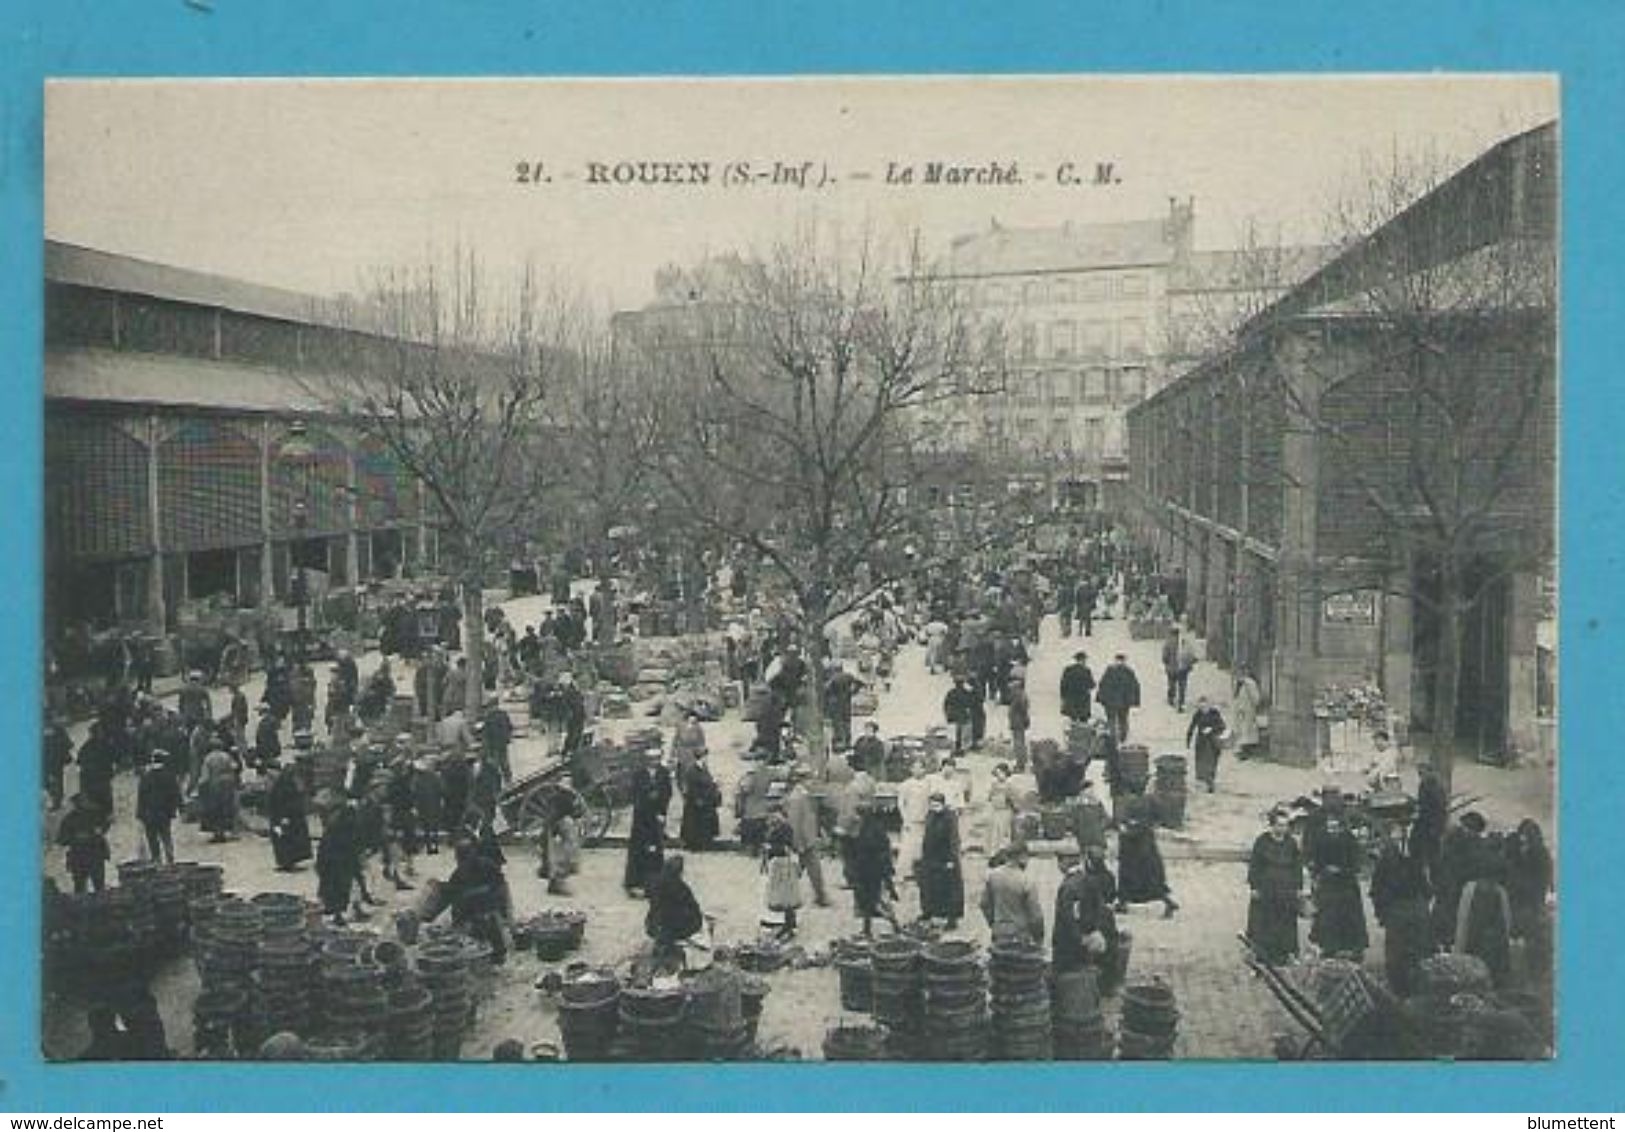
(1339, 923)
(1275, 876)
(942, 883)
(1399, 896)
(1529, 879)
(872, 869)
(1484, 913)
(1206, 731)
(1141, 877)
(674, 915)
(338, 861)
(285, 809)
(701, 799)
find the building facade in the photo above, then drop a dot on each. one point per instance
(1098, 317)
(1361, 491)
(188, 463)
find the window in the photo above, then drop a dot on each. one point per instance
(1132, 286)
(1062, 339)
(1133, 384)
(995, 294)
(1094, 435)
(1060, 291)
(1032, 291)
(1094, 385)
(1028, 348)
(1095, 334)
(1061, 387)
(1092, 289)
(1131, 336)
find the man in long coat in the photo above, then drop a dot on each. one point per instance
(1077, 689)
(1010, 901)
(646, 848)
(1085, 932)
(1118, 693)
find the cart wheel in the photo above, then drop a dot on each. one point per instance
(534, 809)
(600, 811)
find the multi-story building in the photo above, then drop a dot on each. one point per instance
(1098, 316)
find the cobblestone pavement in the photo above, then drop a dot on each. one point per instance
(1226, 1014)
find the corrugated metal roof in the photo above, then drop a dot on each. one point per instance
(122, 377)
(1070, 247)
(87, 267)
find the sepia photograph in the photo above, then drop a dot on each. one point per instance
(910, 569)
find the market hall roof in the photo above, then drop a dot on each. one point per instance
(129, 378)
(78, 266)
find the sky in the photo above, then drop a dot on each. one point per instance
(309, 185)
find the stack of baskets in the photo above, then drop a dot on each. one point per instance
(956, 1014)
(1150, 1022)
(1169, 793)
(215, 1015)
(715, 1016)
(899, 999)
(443, 969)
(283, 984)
(855, 967)
(1021, 1012)
(411, 1024)
(1079, 1023)
(651, 1021)
(860, 1042)
(589, 1012)
(358, 1005)
(1133, 768)
(141, 914)
(168, 892)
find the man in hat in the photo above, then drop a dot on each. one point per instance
(646, 847)
(958, 708)
(1077, 689)
(157, 803)
(752, 804)
(869, 752)
(496, 736)
(1010, 901)
(1119, 694)
(83, 831)
(839, 691)
(58, 754)
(1085, 932)
(1021, 718)
(193, 701)
(572, 708)
(801, 811)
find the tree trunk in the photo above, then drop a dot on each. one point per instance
(815, 613)
(1447, 674)
(474, 646)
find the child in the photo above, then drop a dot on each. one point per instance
(781, 871)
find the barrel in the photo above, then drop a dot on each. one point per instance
(1134, 765)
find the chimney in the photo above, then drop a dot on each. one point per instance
(1179, 229)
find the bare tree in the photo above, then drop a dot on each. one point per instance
(1439, 405)
(451, 382)
(795, 433)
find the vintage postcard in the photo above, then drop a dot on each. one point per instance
(927, 569)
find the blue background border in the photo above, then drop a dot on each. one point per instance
(1579, 40)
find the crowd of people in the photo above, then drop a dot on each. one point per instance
(359, 792)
